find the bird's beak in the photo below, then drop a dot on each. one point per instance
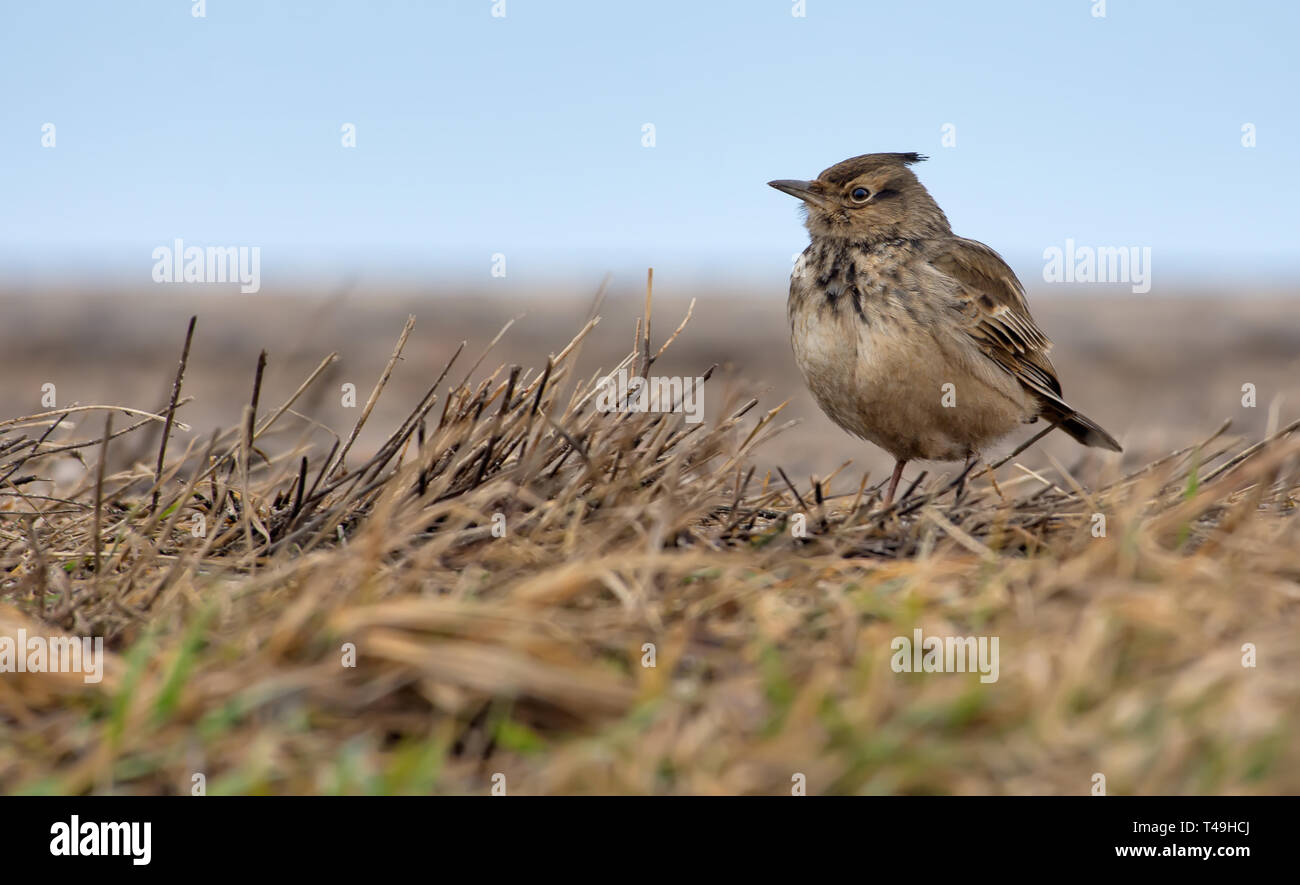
(803, 190)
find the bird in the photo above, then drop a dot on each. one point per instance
(909, 336)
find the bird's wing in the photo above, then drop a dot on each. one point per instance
(992, 301)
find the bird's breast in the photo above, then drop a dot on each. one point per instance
(882, 365)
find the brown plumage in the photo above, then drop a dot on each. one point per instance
(913, 338)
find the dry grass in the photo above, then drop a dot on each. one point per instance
(523, 654)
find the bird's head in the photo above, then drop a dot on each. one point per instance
(869, 198)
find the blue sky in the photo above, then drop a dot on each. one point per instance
(523, 135)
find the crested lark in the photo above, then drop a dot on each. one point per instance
(910, 337)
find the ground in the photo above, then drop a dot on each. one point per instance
(533, 595)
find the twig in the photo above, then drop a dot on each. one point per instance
(171, 413)
(374, 394)
(645, 328)
(802, 505)
(99, 493)
(1233, 462)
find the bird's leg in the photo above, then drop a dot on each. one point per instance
(971, 460)
(893, 483)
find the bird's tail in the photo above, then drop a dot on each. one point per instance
(1088, 432)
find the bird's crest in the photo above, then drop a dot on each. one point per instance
(855, 166)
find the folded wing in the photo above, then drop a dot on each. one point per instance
(992, 301)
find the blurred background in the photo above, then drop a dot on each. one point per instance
(472, 161)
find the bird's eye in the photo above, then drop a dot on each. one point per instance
(860, 194)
